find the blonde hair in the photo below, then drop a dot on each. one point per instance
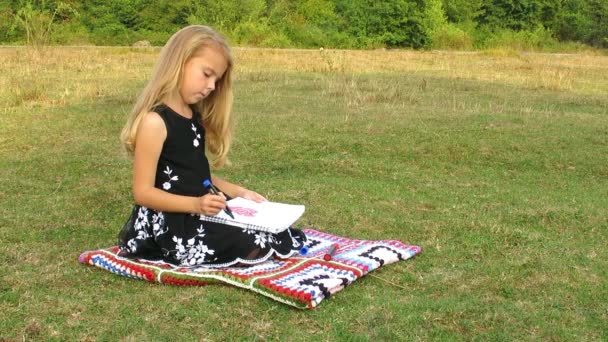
(215, 109)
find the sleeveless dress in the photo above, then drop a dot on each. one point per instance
(184, 239)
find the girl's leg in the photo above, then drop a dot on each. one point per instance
(254, 254)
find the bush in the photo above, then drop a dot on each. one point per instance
(113, 34)
(8, 31)
(538, 39)
(440, 24)
(259, 34)
(451, 37)
(277, 40)
(154, 37)
(390, 23)
(70, 33)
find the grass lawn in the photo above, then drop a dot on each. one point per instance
(496, 164)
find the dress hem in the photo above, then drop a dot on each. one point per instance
(249, 262)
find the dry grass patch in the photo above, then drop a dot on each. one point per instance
(58, 76)
(547, 71)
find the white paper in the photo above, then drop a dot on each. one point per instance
(269, 216)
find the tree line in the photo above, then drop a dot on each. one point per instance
(359, 24)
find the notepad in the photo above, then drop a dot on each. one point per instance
(271, 217)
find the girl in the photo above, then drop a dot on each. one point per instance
(181, 117)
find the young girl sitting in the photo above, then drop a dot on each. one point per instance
(183, 115)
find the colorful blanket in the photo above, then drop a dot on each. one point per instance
(302, 281)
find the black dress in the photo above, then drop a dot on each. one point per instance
(184, 239)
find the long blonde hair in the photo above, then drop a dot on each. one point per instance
(215, 109)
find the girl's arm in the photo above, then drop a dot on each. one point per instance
(151, 135)
(234, 190)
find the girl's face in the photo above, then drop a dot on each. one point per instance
(201, 73)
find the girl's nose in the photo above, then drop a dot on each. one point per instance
(211, 86)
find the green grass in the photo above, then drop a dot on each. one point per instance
(504, 185)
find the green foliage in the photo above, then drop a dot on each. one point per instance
(37, 23)
(517, 14)
(459, 24)
(119, 22)
(399, 23)
(260, 34)
(308, 23)
(459, 11)
(70, 33)
(221, 15)
(519, 40)
(434, 15)
(8, 32)
(585, 21)
(451, 37)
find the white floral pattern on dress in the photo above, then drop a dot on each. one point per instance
(141, 225)
(167, 184)
(294, 242)
(197, 137)
(158, 224)
(262, 238)
(192, 253)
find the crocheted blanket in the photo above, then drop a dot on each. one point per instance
(302, 281)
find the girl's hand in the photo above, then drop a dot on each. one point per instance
(252, 195)
(209, 204)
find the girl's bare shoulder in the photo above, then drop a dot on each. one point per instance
(153, 125)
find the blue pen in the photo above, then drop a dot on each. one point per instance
(212, 189)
